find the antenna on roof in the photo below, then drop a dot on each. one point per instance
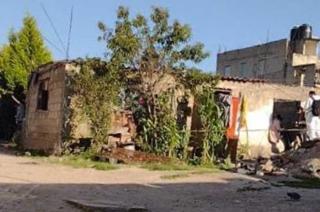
(268, 36)
(53, 27)
(69, 33)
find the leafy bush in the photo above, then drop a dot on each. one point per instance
(159, 130)
(96, 88)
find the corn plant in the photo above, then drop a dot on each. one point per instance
(212, 123)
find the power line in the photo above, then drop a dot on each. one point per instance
(52, 44)
(53, 27)
(69, 34)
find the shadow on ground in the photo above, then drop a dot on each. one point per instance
(205, 193)
(156, 197)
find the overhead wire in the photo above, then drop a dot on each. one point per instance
(69, 34)
(53, 26)
(52, 44)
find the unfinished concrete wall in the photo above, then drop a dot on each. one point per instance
(259, 61)
(311, 47)
(304, 75)
(278, 62)
(43, 127)
(261, 98)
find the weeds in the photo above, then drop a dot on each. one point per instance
(78, 161)
(181, 166)
(198, 170)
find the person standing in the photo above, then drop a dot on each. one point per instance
(275, 138)
(312, 113)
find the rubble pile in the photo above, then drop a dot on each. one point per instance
(303, 162)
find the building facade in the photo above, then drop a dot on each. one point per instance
(263, 101)
(291, 61)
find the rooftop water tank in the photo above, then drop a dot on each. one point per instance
(305, 31)
(294, 33)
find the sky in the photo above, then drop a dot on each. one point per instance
(219, 24)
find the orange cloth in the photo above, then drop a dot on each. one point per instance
(231, 131)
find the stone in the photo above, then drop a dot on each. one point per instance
(267, 167)
(260, 173)
(313, 167)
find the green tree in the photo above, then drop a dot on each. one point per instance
(24, 53)
(151, 47)
(156, 46)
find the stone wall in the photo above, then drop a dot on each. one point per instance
(261, 98)
(43, 128)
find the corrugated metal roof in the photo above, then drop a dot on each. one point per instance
(244, 80)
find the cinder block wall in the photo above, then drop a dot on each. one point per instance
(274, 55)
(43, 128)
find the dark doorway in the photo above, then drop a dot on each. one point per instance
(287, 109)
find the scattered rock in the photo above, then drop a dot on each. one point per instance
(312, 167)
(260, 173)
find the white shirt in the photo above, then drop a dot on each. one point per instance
(308, 107)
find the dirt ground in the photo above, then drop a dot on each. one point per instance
(31, 185)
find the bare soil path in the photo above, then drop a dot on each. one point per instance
(31, 185)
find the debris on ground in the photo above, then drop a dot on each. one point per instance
(302, 163)
(102, 206)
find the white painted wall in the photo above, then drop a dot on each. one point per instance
(256, 134)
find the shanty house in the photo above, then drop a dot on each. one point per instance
(51, 107)
(263, 100)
